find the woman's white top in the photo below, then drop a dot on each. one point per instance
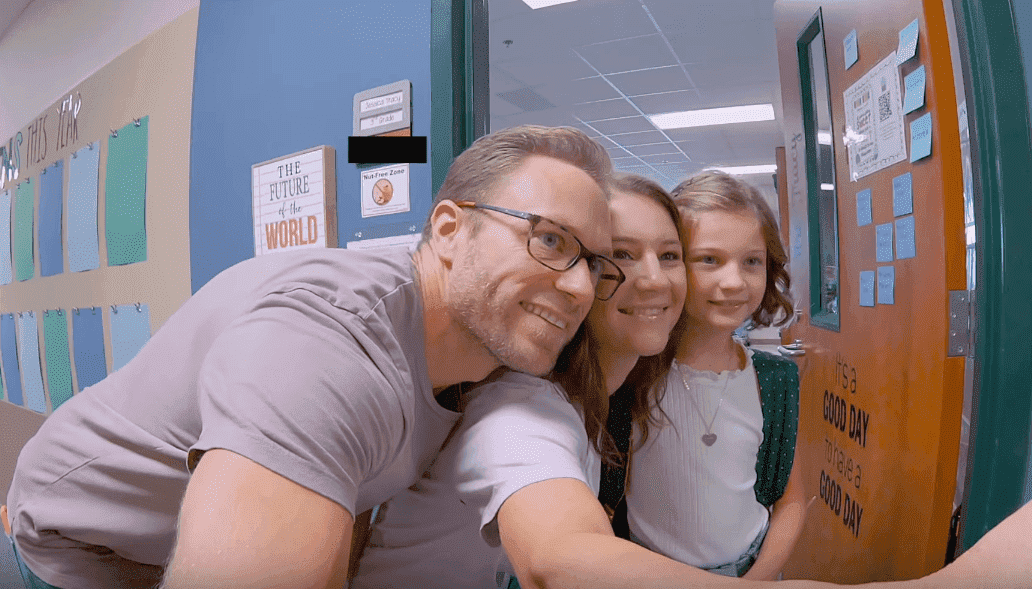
(691, 502)
(443, 531)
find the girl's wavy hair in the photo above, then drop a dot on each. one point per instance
(578, 369)
(713, 190)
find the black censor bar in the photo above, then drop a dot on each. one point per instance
(386, 150)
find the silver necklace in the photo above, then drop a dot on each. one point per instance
(709, 438)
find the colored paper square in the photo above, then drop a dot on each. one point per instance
(883, 248)
(130, 329)
(849, 48)
(6, 275)
(83, 236)
(125, 195)
(59, 363)
(914, 90)
(886, 285)
(903, 195)
(863, 208)
(21, 242)
(907, 43)
(905, 241)
(51, 198)
(9, 355)
(867, 288)
(921, 137)
(28, 356)
(88, 339)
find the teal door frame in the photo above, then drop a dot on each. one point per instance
(458, 80)
(998, 460)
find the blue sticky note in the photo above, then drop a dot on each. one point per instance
(883, 247)
(130, 329)
(902, 195)
(863, 208)
(914, 90)
(59, 368)
(83, 237)
(6, 274)
(88, 339)
(907, 43)
(921, 137)
(886, 285)
(28, 356)
(51, 197)
(867, 288)
(9, 354)
(849, 48)
(905, 243)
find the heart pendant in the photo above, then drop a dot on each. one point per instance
(709, 439)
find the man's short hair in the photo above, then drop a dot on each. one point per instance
(476, 172)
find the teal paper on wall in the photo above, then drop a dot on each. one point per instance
(5, 237)
(59, 365)
(21, 242)
(28, 359)
(130, 329)
(125, 194)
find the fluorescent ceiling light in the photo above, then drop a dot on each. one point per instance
(713, 116)
(743, 170)
(827, 186)
(824, 137)
(535, 4)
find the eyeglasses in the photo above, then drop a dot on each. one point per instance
(558, 249)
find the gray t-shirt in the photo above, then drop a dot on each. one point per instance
(443, 531)
(311, 364)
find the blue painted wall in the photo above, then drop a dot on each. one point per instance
(276, 77)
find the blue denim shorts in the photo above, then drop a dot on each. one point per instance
(737, 567)
(29, 578)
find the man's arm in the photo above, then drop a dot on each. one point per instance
(786, 524)
(243, 526)
(999, 560)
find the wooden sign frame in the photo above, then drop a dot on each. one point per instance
(294, 201)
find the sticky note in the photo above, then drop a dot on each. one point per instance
(886, 285)
(883, 243)
(59, 364)
(9, 354)
(83, 237)
(28, 358)
(907, 43)
(849, 48)
(921, 137)
(88, 339)
(24, 224)
(902, 195)
(5, 238)
(863, 208)
(130, 329)
(867, 288)
(914, 90)
(125, 195)
(905, 243)
(51, 199)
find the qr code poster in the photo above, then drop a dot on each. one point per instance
(875, 135)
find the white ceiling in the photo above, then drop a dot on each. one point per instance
(602, 65)
(9, 11)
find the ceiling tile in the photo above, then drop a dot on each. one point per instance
(750, 71)
(500, 80)
(654, 149)
(730, 40)
(623, 125)
(667, 101)
(577, 91)
(679, 172)
(501, 108)
(675, 15)
(663, 79)
(558, 67)
(604, 109)
(525, 99)
(670, 158)
(713, 135)
(643, 138)
(628, 54)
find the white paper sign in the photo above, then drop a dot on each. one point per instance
(289, 203)
(385, 191)
(410, 241)
(875, 135)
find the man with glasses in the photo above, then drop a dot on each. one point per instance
(297, 390)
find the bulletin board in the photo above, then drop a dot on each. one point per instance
(96, 228)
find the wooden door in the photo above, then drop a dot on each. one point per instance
(882, 390)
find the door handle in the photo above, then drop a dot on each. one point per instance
(793, 349)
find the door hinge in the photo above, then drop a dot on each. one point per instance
(960, 323)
